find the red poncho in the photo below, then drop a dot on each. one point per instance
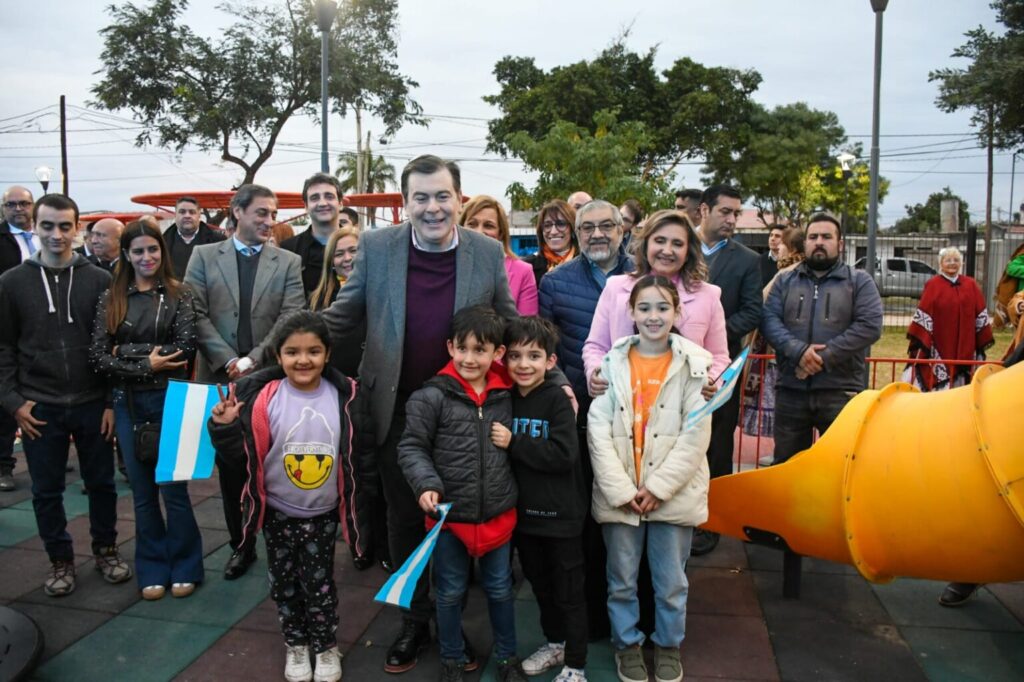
(950, 323)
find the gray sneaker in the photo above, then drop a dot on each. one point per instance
(111, 566)
(667, 666)
(7, 483)
(629, 664)
(61, 581)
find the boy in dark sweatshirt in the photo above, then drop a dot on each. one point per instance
(544, 450)
(447, 455)
(48, 305)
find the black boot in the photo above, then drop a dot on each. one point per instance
(411, 641)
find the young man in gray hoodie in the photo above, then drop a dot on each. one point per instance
(48, 308)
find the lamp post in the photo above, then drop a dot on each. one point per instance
(326, 10)
(43, 174)
(878, 7)
(844, 159)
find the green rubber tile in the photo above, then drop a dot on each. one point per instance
(127, 648)
(823, 597)
(241, 655)
(216, 602)
(17, 525)
(953, 655)
(915, 603)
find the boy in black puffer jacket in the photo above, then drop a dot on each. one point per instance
(552, 497)
(447, 455)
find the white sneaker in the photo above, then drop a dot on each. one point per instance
(296, 664)
(766, 460)
(544, 658)
(570, 675)
(328, 666)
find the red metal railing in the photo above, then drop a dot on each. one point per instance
(749, 449)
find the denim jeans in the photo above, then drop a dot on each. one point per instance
(8, 430)
(451, 579)
(168, 551)
(47, 457)
(668, 548)
(798, 413)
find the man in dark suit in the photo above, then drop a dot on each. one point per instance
(770, 258)
(242, 287)
(105, 243)
(188, 232)
(407, 283)
(321, 193)
(17, 244)
(736, 270)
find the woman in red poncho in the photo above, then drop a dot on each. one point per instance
(951, 323)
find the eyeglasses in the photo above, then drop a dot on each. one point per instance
(606, 227)
(558, 225)
(17, 204)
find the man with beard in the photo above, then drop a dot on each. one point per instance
(188, 232)
(321, 193)
(821, 318)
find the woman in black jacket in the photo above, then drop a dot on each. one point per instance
(556, 238)
(145, 334)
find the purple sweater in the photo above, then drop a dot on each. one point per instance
(429, 306)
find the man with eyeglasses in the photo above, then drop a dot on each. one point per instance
(17, 244)
(322, 195)
(568, 297)
(188, 232)
(737, 271)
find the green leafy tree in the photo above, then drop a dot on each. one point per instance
(844, 195)
(688, 111)
(235, 93)
(380, 175)
(927, 217)
(571, 157)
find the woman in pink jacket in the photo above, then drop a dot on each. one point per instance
(667, 246)
(485, 215)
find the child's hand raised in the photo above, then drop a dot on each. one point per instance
(428, 501)
(228, 409)
(500, 435)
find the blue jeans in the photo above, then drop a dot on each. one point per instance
(47, 456)
(165, 552)
(451, 578)
(668, 548)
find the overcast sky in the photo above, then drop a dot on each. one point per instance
(806, 50)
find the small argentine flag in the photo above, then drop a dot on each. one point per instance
(186, 452)
(730, 377)
(398, 590)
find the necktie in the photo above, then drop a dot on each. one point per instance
(247, 251)
(27, 236)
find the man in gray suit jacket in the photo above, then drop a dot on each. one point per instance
(242, 286)
(407, 283)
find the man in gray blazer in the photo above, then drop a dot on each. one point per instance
(407, 283)
(242, 286)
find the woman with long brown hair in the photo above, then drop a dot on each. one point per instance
(485, 215)
(145, 334)
(556, 238)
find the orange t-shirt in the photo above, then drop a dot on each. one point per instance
(647, 373)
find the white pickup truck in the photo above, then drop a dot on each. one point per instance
(900, 276)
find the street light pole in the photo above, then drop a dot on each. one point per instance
(325, 13)
(878, 6)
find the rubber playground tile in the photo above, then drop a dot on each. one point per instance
(213, 540)
(61, 626)
(815, 649)
(732, 647)
(215, 560)
(1010, 595)
(915, 603)
(10, 498)
(17, 525)
(722, 591)
(92, 592)
(210, 514)
(127, 648)
(24, 570)
(81, 539)
(215, 602)
(769, 559)
(823, 598)
(239, 655)
(728, 554)
(347, 574)
(967, 655)
(356, 609)
(263, 618)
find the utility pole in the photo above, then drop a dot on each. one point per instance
(63, 148)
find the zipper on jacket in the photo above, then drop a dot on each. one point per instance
(156, 323)
(810, 327)
(481, 450)
(799, 306)
(63, 347)
(828, 304)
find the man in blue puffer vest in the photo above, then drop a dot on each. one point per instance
(568, 297)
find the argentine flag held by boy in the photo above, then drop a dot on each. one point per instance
(185, 449)
(730, 377)
(398, 590)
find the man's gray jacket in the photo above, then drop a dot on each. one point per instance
(841, 310)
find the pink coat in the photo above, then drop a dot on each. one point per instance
(703, 322)
(522, 284)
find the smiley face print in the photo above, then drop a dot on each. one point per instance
(308, 471)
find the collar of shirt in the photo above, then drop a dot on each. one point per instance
(416, 242)
(240, 247)
(708, 250)
(952, 279)
(187, 240)
(17, 231)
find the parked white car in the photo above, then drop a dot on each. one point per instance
(900, 276)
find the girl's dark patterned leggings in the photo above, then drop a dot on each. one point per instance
(300, 559)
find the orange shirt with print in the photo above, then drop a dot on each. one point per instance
(647, 374)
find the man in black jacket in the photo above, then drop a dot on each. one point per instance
(17, 244)
(737, 271)
(48, 305)
(322, 195)
(188, 232)
(106, 243)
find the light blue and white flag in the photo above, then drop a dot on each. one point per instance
(186, 452)
(398, 590)
(730, 377)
